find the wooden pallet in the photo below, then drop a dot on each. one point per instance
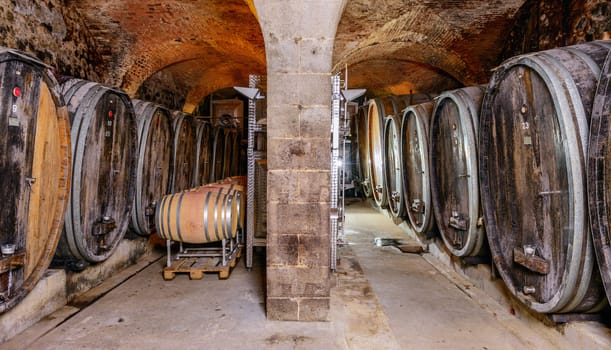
(196, 267)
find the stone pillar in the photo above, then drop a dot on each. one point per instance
(299, 36)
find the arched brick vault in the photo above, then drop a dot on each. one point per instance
(198, 77)
(194, 41)
(390, 46)
(394, 46)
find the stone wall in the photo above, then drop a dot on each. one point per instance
(51, 31)
(162, 88)
(589, 20)
(546, 24)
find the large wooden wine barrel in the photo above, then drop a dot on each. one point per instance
(202, 215)
(599, 175)
(453, 166)
(379, 109)
(534, 137)
(224, 153)
(35, 165)
(393, 171)
(415, 165)
(154, 165)
(231, 153)
(218, 153)
(362, 138)
(103, 134)
(203, 153)
(184, 151)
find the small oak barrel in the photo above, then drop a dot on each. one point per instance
(201, 215)
(203, 153)
(184, 151)
(103, 134)
(393, 171)
(415, 165)
(238, 183)
(453, 167)
(35, 165)
(362, 139)
(599, 175)
(533, 144)
(379, 109)
(154, 164)
(237, 180)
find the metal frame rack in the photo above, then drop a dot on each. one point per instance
(199, 258)
(255, 108)
(225, 252)
(340, 135)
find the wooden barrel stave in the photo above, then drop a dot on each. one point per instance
(184, 151)
(238, 187)
(393, 170)
(218, 154)
(154, 165)
(416, 171)
(230, 153)
(545, 212)
(379, 108)
(598, 168)
(203, 154)
(453, 167)
(237, 192)
(362, 138)
(35, 162)
(103, 133)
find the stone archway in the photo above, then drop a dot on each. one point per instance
(299, 37)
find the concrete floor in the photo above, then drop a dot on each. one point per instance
(382, 299)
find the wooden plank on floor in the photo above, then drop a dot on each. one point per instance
(94, 293)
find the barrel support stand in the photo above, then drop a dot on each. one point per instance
(195, 260)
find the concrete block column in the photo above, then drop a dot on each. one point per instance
(299, 36)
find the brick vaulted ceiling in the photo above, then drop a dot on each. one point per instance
(398, 46)
(204, 44)
(390, 46)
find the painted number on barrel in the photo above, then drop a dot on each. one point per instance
(14, 108)
(525, 125)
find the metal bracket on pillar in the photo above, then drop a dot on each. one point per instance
(352, 94)
(250, 92)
